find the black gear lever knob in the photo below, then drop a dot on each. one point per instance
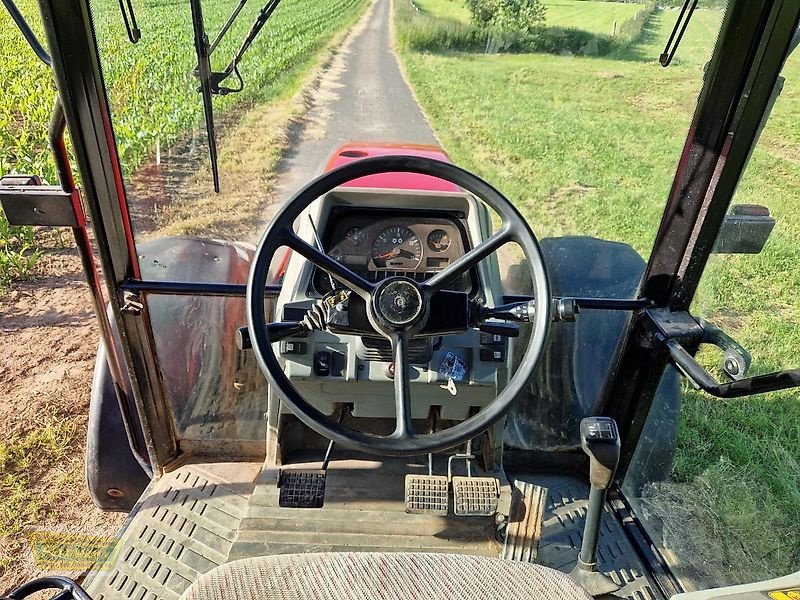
(600, 441)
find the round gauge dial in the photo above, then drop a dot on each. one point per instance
(356, 236)
(438, 240)
(397, 247)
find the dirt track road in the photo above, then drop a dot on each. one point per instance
(362, 96)
(48, 335)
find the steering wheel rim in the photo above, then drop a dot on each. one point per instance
(403, 442)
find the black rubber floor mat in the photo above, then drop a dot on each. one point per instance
(562, 534)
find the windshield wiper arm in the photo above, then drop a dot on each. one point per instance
(27, 33)
(233, 66)
(227, 26)
(666, 57)
(134, 33)
(203, 72)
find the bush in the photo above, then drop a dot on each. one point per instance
(422, 32)
(519, 16)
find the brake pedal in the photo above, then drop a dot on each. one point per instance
(475, 496)
(427, 494)
(302, 489)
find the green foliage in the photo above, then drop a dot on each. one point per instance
(593, 151)
(521, 16)
(432, 31)
(18, 252)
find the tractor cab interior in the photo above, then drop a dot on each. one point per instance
(392, 386)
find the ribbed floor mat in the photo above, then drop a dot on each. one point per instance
(185, 527)
(562, 534)
(200, 516)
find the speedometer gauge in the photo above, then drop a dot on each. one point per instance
(398, 248)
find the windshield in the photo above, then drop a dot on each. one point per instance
(573, 118)
(570, 115)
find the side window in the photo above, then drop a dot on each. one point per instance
(724, 505)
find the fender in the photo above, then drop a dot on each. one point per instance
(578, 355)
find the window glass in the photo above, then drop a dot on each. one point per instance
(727, 508)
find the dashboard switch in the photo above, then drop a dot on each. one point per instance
(322, 363)
(493, 354)
(492, 339)
(292, 347)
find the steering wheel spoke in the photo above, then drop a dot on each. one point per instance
(402, 387)
(336, 269)
(464, 263)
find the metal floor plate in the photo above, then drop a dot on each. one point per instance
(365, 510)
(184, 527)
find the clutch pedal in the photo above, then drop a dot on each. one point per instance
(302, 489)
(427, 494)
(475, 496)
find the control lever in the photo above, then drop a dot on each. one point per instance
(600, 441)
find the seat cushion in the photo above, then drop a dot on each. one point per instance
(384, 576)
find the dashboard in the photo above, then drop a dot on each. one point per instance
(380, 243)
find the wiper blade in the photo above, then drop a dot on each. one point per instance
(203, 72)
(666, 57)
(227, 26)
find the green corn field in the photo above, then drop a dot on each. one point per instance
(153, 77)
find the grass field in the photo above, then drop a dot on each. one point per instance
(589, 146)
(597, 17)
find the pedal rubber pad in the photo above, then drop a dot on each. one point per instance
(475, 496)
(302, 489)
(427, 494)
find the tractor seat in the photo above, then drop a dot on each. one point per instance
(384, 575)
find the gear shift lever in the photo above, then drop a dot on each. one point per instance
(600, 441)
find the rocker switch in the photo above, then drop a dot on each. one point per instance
(322, 363)
(293, 347)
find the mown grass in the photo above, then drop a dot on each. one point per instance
(589, 146)
(598, 17)
(24, 459)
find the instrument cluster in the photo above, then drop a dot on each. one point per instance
(380, 244)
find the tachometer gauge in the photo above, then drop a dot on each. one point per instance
(356, 236)
(398, 248)
(438, 240)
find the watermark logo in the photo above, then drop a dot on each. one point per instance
(59, 551)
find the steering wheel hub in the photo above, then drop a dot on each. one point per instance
(398, 303)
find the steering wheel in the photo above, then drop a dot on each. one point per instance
(399, 308)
